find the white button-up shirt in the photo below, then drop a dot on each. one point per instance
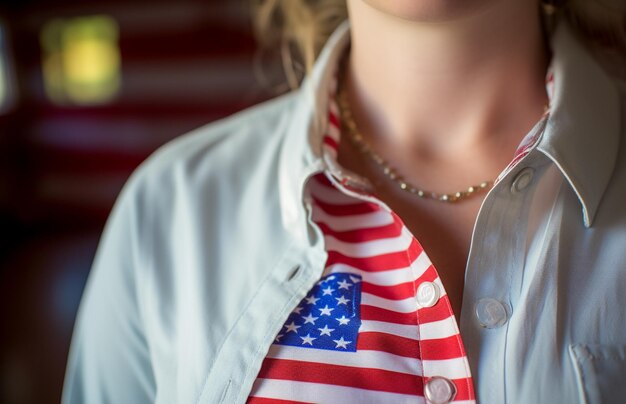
(210, 247)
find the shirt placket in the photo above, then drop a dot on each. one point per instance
(495, 270)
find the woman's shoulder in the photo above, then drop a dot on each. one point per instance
(229, 139)
(227, 147)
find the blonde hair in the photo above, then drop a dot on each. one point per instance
(299, 28)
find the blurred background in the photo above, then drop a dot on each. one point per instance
(88, 89)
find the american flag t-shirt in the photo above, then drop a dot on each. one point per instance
(372, 274)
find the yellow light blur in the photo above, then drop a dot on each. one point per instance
(81, 61)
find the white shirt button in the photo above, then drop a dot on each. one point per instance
(439, 390)
(491, 313)
(427, 294)
(522, 180)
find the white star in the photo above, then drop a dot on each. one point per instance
(354, 279)
(341, 343)
(325, 280)
(325, 311)
(343, 320)
(344, 285)
(326, 330)
(342, 300)
(328, 291)
(278, 337)
(298, 309)
(308, 339)
(292, 327)
(311, 300)
(309, 319)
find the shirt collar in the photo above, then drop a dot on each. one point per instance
(581, 135)
(582, 132)
(301, 155)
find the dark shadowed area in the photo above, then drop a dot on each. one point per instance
(87, 91)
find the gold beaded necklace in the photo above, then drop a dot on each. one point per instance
(364, 147)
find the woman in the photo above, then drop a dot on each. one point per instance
(436, 214)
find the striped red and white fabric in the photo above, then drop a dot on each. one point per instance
(370, 283)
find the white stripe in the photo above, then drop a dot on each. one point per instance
(325, 393)
(448, 368)
(331, 151)
(382, 278)
(420, 265)
(439, 329)
(333, 132)
(371, 248)
(386, 278)
(408, 305)
(331, 196)
(436, 330)
(401, 330)
(353, 222)
(359, 359)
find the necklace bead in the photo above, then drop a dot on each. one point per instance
(361, 144)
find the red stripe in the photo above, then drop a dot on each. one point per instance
(361, 378)
(428, 276)
(375, 263)
(360, 235)
(441, 348)
(334, 119)
(331, 142)
(464, 389)
(429, 349)
(358, 208)
(415, 250)
(322, 179)
(392, 292)
(438, 312)
(377, 314)
(393, 344)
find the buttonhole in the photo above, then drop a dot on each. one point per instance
(225, 392)
(293, 272)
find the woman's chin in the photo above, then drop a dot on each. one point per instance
(429, 10)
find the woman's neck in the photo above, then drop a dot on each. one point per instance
(442, 89)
